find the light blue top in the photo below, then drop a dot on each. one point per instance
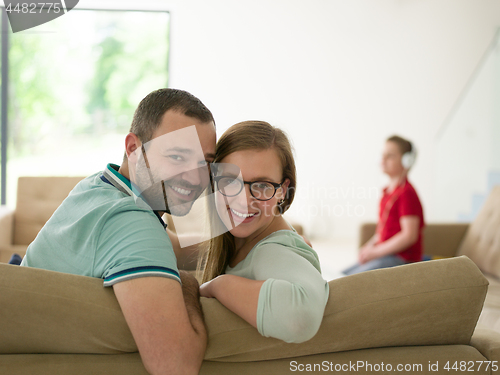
(292, 300)
(100, 231)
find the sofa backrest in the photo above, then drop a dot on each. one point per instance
(482, 240)
(37, 199)
(426, 303)
(436, 302)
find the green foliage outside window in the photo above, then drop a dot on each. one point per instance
(74, 84)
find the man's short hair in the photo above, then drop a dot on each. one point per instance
(148, 115)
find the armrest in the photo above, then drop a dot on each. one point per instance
(6, 226)
(487, 342)
(366, 231)
(443, 239)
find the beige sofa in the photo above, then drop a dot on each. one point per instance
(415, 315)
(479, 240)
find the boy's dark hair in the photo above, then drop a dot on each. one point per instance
(148, 115)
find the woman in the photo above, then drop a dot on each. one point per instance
(261, 269)
(398, 239)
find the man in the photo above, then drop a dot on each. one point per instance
(110, 227)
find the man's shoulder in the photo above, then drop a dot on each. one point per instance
(94, 191)
(95, 185)
(95, 202)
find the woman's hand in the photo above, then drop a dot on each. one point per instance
(208, 289)
(238, 294)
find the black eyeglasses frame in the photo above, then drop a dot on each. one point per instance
(249, 183)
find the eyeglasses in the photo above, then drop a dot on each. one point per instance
(260, 190)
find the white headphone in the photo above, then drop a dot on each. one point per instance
(409, 158)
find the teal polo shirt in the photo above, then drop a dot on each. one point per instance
(101, 230)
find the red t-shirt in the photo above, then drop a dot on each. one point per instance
(403, 201)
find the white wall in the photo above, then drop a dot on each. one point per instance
(339, 76)
(468, 145)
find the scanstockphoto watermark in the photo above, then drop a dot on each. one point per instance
(369, 367)
(334, 201)
(364, 366)
(24, 15)
(314, 191)
(324, 209)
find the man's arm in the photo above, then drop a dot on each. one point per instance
(410, 228)
(191, 294)
(166, 322)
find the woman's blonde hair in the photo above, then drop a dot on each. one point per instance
(247, 135)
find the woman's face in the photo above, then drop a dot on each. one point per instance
(391, 160)
(247, 214)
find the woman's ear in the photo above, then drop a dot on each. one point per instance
(284, 188)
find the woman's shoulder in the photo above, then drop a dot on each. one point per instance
(286, 241)
(287, 237)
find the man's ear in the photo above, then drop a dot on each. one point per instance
(132, 143)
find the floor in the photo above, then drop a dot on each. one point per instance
(335, 255)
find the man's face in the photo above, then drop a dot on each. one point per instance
(171, 170)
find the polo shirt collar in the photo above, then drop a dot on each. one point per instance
(118, 180)
(123, 184)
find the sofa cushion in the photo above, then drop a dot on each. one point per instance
(487, 342)
(413, 359)
(429, 303)
(482, 240)
(37, 199)
(490, 316)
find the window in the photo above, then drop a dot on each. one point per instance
(74, 84)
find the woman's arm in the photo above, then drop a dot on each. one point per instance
(410, 228)
(238, 294)
(288, 305)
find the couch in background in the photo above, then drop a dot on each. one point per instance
(37, 199)
(479, 240)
